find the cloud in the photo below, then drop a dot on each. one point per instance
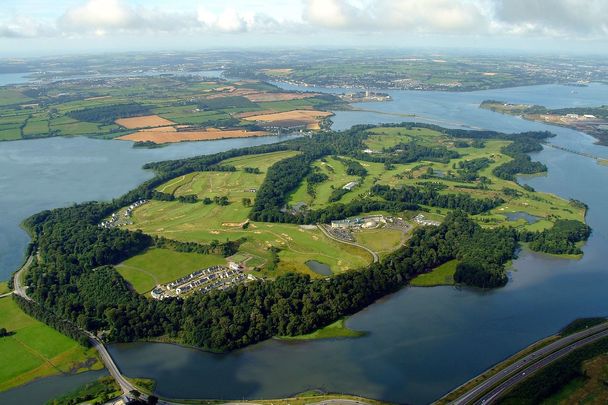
(110, 16)
(497, 18)
(427, 16)
(553, 17)
(24, 27)
(231, 20)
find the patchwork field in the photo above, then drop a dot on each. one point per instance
(119, 106)
(160, 266)
(311, 118)
(35, 350)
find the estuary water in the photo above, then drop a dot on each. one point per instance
(422, 342)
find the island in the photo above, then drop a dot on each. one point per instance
(590, 120)
(217, 251)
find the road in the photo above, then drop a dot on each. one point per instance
(105, 356)
(330, 236)
(490, 389)
(18, 289)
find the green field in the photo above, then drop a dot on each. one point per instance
(4, 287)
(442, 275)
(36, 350)
(160, 266)
(335, 330)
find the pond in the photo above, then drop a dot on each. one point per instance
(319, 268)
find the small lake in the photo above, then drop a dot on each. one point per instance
(422, 341)
(319, 268)
(515, 216)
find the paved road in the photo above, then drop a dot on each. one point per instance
(527, 365)
(330, 236)
(493, 395)
(18, 289)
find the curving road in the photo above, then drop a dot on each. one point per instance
(330, 236)
(492, 388)
(18, 289)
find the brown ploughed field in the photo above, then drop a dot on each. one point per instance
(173, 136)
(146, 121)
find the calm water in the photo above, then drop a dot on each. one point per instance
(514, 216)
(319, 268)
(13, 78)
(422, 342)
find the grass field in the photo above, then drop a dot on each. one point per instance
(98, 391)
(4, 287)
(160, 266)
(335, 330)
(35, 350)
(442, 275)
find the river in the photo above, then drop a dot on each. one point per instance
(422, 341)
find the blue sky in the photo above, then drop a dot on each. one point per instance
(31, 27)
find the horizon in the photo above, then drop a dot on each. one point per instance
(33, 27)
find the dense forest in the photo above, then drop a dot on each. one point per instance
(75, 285)
(109, 113)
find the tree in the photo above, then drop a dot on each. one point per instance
(247, 202)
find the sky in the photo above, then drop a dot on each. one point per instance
(42, 27)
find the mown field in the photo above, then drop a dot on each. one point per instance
(35, 350)
(442, 275)
(160, 266)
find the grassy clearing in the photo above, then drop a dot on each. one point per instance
(442, 275)
(35, 350)
(160, 266)
(335, 330)
(382, 241)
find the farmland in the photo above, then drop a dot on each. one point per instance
(152, 109)
(34, 350)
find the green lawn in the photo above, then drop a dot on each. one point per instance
(442, 275)
(335, 330)
(36, 350)
(160, 266)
